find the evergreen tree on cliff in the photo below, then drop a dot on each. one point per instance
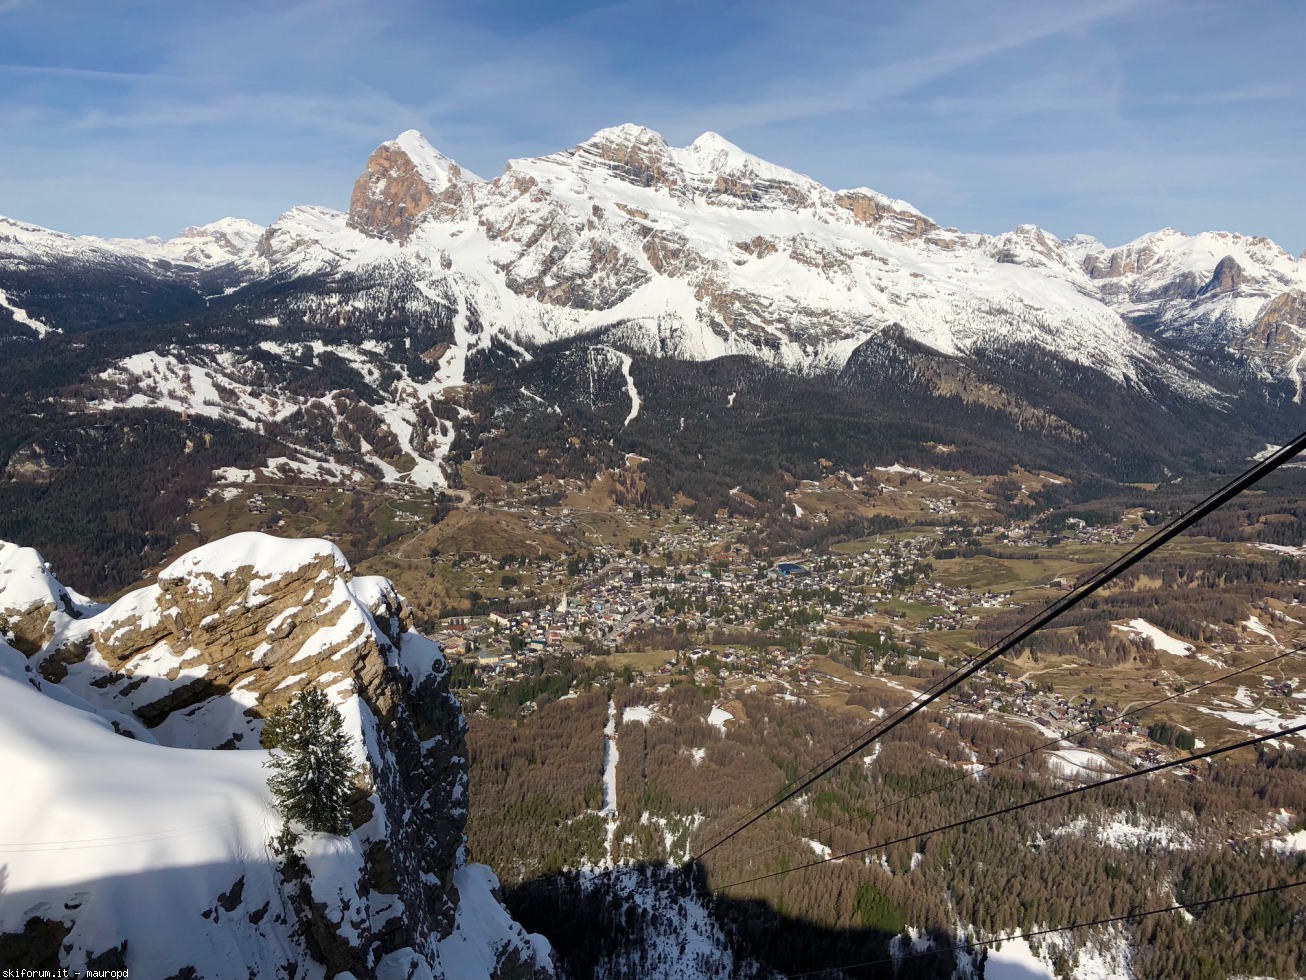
(312, 771)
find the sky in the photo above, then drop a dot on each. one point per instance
(1106, 117)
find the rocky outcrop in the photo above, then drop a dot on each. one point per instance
(1227, 277)
(876, 211)
(1278, 334)
(197, 661)
(31, 599)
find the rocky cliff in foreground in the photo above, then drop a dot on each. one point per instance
(130, 842)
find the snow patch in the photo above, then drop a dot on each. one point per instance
(638, 713)
(1166, 643)
(25, 318)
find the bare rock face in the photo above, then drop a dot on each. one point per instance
(390, 196)
(403, 181)
(226, 635)
(1227, 277)
(266, 617)
(1278, 335)
(897, 223)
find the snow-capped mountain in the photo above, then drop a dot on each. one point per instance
(1213, 291)
(704, 250)
(201, 247)
(133, 845)
(690, 253)
(695, 252)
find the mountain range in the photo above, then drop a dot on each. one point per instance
(366, 341)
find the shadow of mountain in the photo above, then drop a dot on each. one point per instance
(631, 922)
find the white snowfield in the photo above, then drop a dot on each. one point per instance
(638, 713)
(157, 839)
(1014, 960)
(269, 558)
(150, 835)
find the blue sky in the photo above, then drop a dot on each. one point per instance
(1111, 117)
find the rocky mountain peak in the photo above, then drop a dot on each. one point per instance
(893, 218)
(235, 236)
(712, 153)
(635, 155)
(405, 179)
(1275, 335)
(627, 134)
(1035, 247)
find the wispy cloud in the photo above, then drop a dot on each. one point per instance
(57, 71)
(985, 115)
(1237, 95)
(360, 116)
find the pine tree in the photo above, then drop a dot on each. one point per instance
(313, 773)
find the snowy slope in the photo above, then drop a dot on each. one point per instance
(145, 837)
(124, 831)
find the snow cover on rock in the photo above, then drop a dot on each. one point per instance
(682, 940)
(26, 582)
(122, 826)
(266, 558)
(1168, 276)
(472, 949)
(691, 252)
(433, 165)
(218, 243)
